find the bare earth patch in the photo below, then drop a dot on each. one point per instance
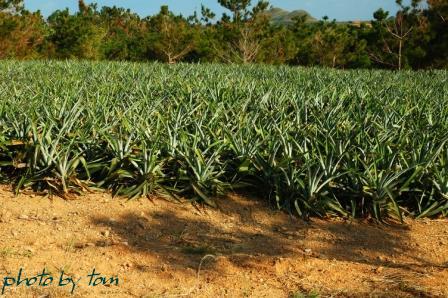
(164, 249)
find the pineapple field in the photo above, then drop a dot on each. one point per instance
(312, 142)
(153, 180)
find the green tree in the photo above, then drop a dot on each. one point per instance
(330, 44)
(279, 46)
(239, 9)
(125, 31)
(11, 6)
(76, 36)
(241, 36)
(415, 37)
(400, 41)
(437, 15)
(171, 37)
(22, 34)
(207, 15)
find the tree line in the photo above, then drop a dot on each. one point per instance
(416, 37)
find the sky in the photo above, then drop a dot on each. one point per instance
(341, 10)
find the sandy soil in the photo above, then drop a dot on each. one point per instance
(163, 249)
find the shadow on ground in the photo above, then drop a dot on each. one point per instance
(251, 235)
(182, 242)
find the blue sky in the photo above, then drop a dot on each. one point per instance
(336, 9)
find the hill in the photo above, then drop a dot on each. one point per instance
(280, 16)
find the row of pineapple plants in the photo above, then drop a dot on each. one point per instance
(314, 142)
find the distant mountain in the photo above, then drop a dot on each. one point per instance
(280, 16)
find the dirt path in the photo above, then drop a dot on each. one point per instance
(246, 250)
